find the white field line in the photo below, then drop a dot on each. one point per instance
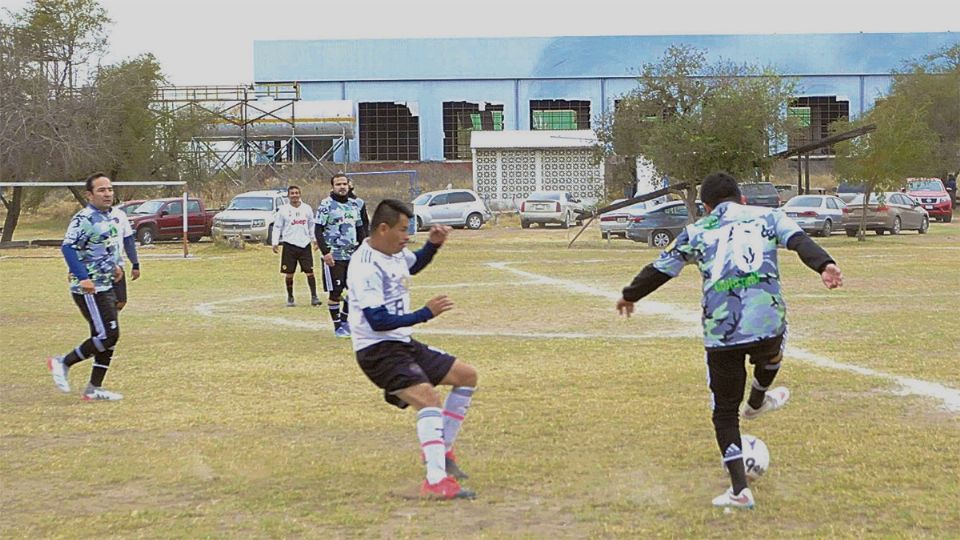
(949, 396)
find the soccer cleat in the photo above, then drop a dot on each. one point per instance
(453, 469)
(345, 324)
(290, 302)
(447, 489)
(58, 370)
(728, 499)
(773, 400)
(342, 332)
(314, 301)
(95, 393)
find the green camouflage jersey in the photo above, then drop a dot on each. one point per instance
(337, 224)
(735, 248)
(98, 239)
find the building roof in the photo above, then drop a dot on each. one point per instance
(580, 138)
(579, 57)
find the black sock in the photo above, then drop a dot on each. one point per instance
(763, 376)
(81, 353)
(335, 314)
(738, 475)
(101, 361)
(344, 312)
(289, 282)
(312, 282)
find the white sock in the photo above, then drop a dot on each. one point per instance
(430, 432)
(454, 410)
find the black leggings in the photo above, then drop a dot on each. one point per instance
(100, 311)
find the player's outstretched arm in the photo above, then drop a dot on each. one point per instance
(648, 280)
(438, 235)
(817, 259)
(381, 320)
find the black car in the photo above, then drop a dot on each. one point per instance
(761, 194)
(660, 226)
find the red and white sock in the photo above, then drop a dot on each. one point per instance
(430, 433)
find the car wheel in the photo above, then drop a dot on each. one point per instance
(524, 224)
(948, 218)
(879, 232)
(474, 221)
(605, 236)
(851, 232)
(924, 225)
(565, 224)
(660, 238)
(827, 228)
(419, 224)
(896, 226)
(145, 235)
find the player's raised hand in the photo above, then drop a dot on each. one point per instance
(625, 307)
(439, 304)
(438, 234)
(831, 276)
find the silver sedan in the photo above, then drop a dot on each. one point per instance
(817, 214)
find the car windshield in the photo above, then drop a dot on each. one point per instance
(545, 196)
(422, 199)
(130, 207)
(149, 207)
(929, 184)
(804, 201)
(251, 203)
(758, 189)
(847, 187)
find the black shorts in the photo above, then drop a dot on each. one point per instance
(395, 365)
(335, 277)
(293, 255)
(761, 351)
(100, 311)
(120, 289)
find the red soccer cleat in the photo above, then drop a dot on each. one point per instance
(446, 489)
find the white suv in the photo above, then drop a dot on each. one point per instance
(250, 215)
(457, 207)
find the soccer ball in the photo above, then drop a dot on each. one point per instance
(756, 457)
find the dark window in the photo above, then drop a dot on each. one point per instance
(388, 131)
(832, 204)
(462, 117)
(175, 208)
(460, 197)
(679, 210)
(815, 114)
(193, 207)
(440, 199)
(559, 114)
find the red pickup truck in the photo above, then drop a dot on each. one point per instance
(162, 219)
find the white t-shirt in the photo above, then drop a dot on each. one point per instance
(119, 217)
(294, 225)
(376, 279)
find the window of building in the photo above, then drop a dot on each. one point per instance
(559, 114)
(462, 117)
(815, 114)
(388, 132)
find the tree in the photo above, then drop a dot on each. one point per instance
(690, 118)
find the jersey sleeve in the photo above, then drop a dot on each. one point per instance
(409, 257)
(279, 223)
(125, 228)
(367, 285)
(785, 227)
(678, 254)
(77, 235)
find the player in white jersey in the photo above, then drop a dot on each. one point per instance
(408, 371)
(119, 217)
(294, 227)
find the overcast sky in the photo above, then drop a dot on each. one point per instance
(202, 42)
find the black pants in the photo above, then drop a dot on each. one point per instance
(727, 377)
(100, 311)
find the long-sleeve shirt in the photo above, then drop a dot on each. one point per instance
(294, 225)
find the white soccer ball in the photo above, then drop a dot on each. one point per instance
(756, 457)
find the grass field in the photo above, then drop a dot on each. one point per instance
(243, 418)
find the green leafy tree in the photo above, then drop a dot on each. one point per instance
(690, 118)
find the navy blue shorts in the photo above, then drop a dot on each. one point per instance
(395, 365)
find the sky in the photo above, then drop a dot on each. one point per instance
(206, 42)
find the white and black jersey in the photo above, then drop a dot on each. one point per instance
(294, 225)
(376, 279)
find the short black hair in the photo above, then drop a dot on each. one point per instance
(719, 187)
(92, 177)
(338, 175)
(294, 187)
(389, 211)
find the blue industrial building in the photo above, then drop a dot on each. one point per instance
(418, 99)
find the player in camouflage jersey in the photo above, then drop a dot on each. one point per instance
(91, 248)
(338, 220)
(735, 248)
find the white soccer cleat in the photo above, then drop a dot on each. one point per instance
(773, 400)
(743, 500)
(95, 393)
(58, 370)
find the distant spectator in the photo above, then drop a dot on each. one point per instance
(952, 188)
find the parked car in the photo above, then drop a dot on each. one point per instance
(614, 223)
(760, 194)
(129, 206)
(847, 191)
(817, 214)
(457, 207)
(551, 207)
(887, 212)
(162, 219)
(931, 193)
(786, 192)
(250, 216)
(662, 224)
